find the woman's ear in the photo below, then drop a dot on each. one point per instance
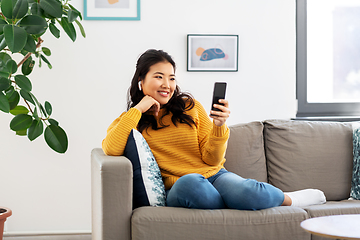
(139, 84)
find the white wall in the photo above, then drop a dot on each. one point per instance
(87, 87)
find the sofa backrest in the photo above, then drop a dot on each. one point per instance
(309, 154)
(294, 155)
(245, 153)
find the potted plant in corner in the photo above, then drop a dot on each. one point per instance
(22, 26)
(4, 214)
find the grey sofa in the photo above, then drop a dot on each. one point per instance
(291, 155)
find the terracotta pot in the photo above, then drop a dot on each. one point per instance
(4, 213)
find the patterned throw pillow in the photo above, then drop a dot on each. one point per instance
(355, 182)
(148, 187)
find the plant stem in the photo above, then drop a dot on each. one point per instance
(32, 112)
(29, 53)
(29, 106)
(24, 59)
(21, 62)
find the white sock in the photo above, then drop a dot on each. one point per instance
(306, 197)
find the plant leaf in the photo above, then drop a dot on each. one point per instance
(23, 82)
(3, 68)
(28, 66)
(20, 122)
(13, 97)
(33, 24)
(42, 109)
(45, 60)
(2, 42)
(4, 57)
(30, 45)
(14, 9)
(54, 30)
(4, 83)
(19, 110)
(33, 97)
(48, 108)
(11, 65)
(52, 7)
(2, 65)
(4, 74)
(68, 28)
(35, 130)
(56, 138)
(74, 9)
(15, 37)
(36, 9)
(81, 28)
(2, 24)
(21, 132)
(4, 103)
(53, 122)
(35, 114)
(20, 9)
(7, 8)
(26, 95)
(72, 15)
(46, 51)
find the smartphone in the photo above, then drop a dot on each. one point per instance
(219, 93)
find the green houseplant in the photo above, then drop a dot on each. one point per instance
(22, 25)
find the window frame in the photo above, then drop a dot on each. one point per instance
(306, 109)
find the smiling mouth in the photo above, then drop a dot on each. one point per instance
(164, 94)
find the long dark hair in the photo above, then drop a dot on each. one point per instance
(177, 105)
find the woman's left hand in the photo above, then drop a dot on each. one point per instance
(220, 117)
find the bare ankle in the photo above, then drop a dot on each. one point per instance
(287, 201)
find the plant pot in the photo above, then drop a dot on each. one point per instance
(4, 213)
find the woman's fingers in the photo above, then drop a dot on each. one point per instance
(148, 103)
(221, 116)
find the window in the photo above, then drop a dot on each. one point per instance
(328, 57)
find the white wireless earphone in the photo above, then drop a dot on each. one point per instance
(139, 83)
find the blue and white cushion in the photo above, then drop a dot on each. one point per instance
(148, 187)
(355, 182)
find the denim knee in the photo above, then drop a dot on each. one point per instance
(194, 191)
(247, 194)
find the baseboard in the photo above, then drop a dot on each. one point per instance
(47, 236)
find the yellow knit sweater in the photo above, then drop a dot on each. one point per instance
(178, 150)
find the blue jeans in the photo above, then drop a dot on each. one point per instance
(223, 190)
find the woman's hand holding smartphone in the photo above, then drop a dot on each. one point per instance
(220, 107)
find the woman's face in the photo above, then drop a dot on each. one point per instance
(159, 82)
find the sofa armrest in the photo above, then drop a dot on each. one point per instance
(111, 183)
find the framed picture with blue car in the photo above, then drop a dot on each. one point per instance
(212, 53)
(126, 10)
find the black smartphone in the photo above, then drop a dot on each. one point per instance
(219, 93)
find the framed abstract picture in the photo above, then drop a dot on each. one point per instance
(212, 53)
(112, 10)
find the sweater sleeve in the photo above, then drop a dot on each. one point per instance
(212, 139)
(118, 132)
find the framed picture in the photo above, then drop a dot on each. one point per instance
(212, 53)
(112, 10)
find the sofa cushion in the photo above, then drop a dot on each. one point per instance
(148, 187)
(310, 154)
(334, 208)
(278, 223)
(355, 182)
(245, 154)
